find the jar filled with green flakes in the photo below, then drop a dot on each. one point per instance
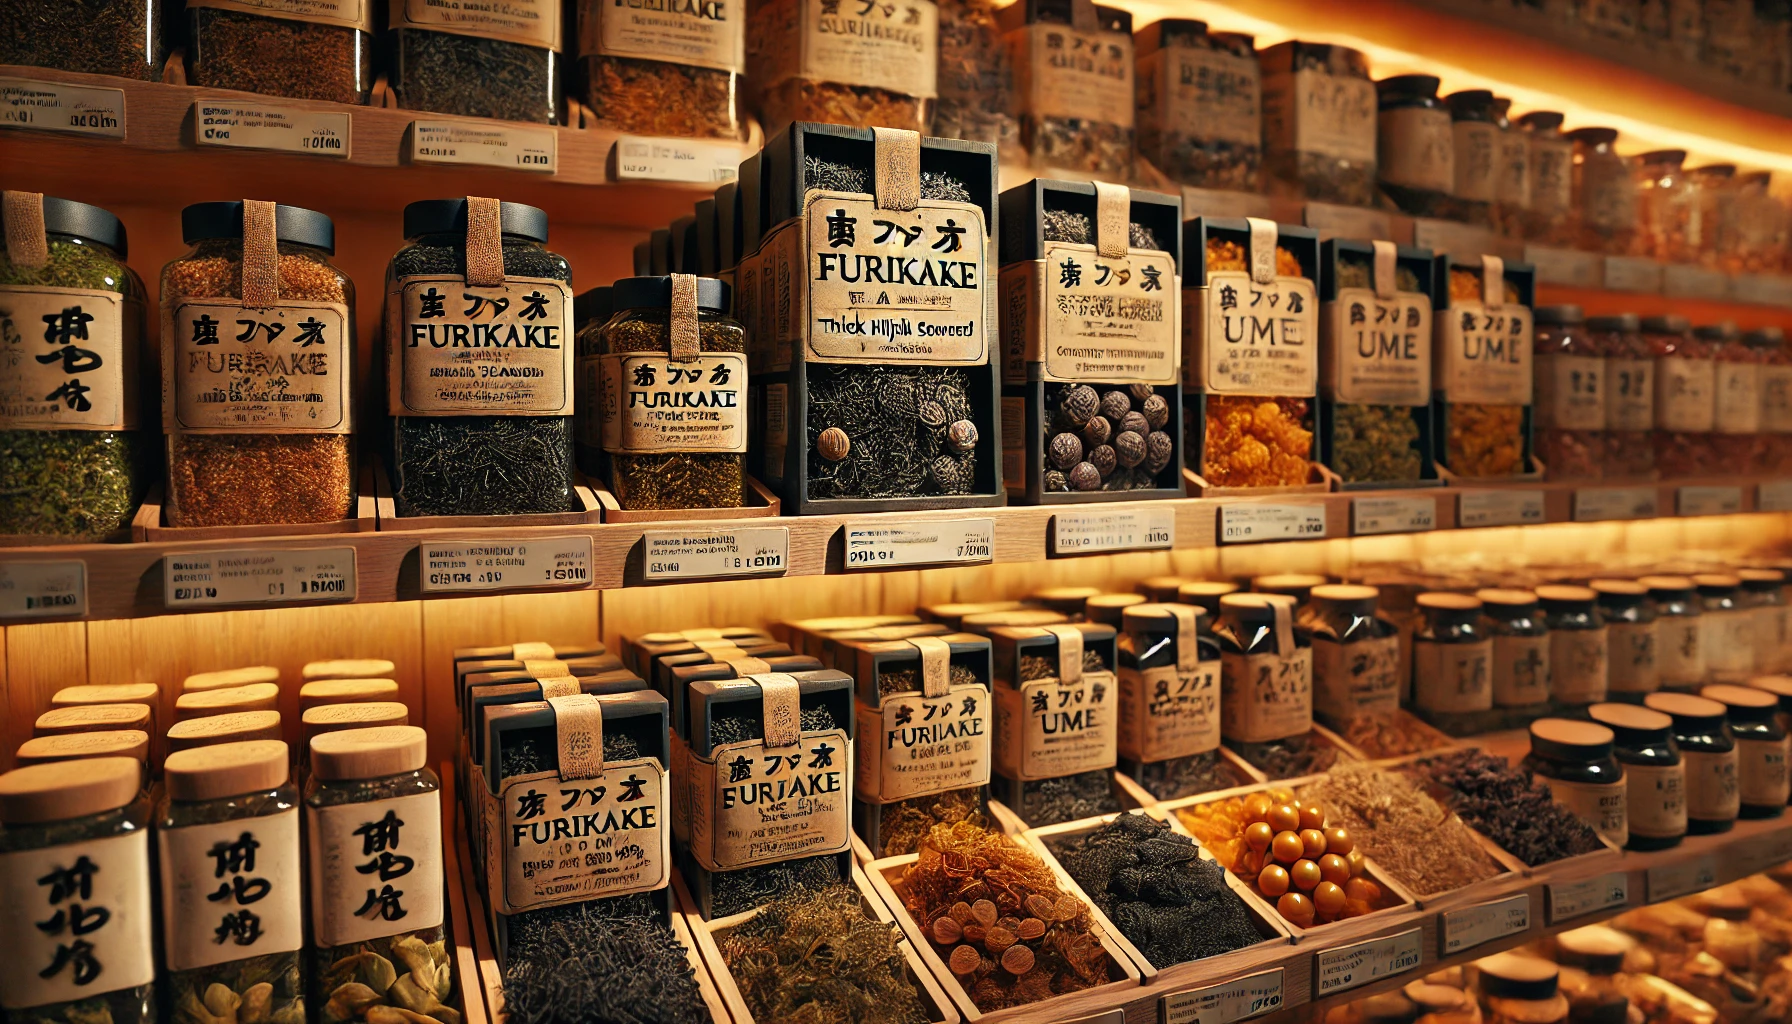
(1375, 364)
(478, 60)
(298, 48)
(257, 360)
(674, 386)
(71, 319)
(94, 37)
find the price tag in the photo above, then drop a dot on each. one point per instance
(639, 157)
(1472, 926)
(1452, 236)
(1334, 221)
(1680, 281)
(1670, 880)
(1108, 529)
(263, 126)
(1567, 267)
(487, 144)
(1762, 289)
(206, 579)
(471, 566)
(930, 542)
(1708, 501)
(1762, 852)
(1240, 524)
(1632, 274)
(1597, 504)
(1240, 999)
(1774, 497)
(701, 553)
(1370, 516)
(56, 107)
(1570, 900)
(1498, 508)
(1349, 966)
(32, 590)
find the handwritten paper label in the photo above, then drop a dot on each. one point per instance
(565, 842)
(287, 130)
(752, 804)
(1569, 900)
(1349, 966)
(1709, 501)
(1498, 508)
(702, 553)
(928, 542)
(1083, 316)
(468, 566)
(1485, 354)
(56, 107)
(32, 590)
(1241, 524)
(1084, 533)
(1473, 926)
(639, 158)
(1667, 881)
(1240, 999)
(485, 145)
(1370, 516)
(1597, 504)
(203, 579)
(1377, 351)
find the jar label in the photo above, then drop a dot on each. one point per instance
(1266, 697)
(529, 22)
(1761, 772)
(1478, 147)
(1014, 440)
(1738, 402)
(231, 890)
(1629, 394)
(1570, 392)
(1683, 394)
(1770, 636)
(1086, 317)
(71, 359)
(1633, 663)
(1776, 399)
(1578, 665)
(1552, 176)
(653, 403)
(229, 368)
(751, 804)
(892, 46)
(1520, 670)
(1377, 351)
(1605, 806)
(1512, 172)
(75, 921)
(1313, 111)
(1062, 73)
(569, 841)
(1414, 148)
(1712, 790)
(1657, 799)
(454, 349)
(915, 745)
(1254, 339)
(1046, 729)
(695, 33)
(355, 14)
(1452, 678)
(1486, 353)
(1356, 680)
(1206, 95)
(375, 868)
(1167, 713)
(1608, 202)
(1729, 643)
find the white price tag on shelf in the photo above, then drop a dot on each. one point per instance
(266, 126)
(1472, 926)
(1679, 281)
(1762, 852)
(1708, 501)
(1244, 523)
(1598, 504)
(1569, 268)
(490, 144)
(1569, 900)
(33, 590)
(928, 542)
(1632, 274)
(1774, 496)
(1371, 516)
(1349, 966)
(643, 158)
(702, 552)
(1667, 881)
(1239, 999)
(1478, 507)
(60, 107)
(472, 566)
(1104, 528)
(205, 579)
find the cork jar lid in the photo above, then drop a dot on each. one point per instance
(253, 697)
(231, 728)
(336, 717)
(1509, 597)
(1015, 617)
(1054, 594)
(1285, 582)
(346, 691)
(65, 790)
(79, 746)
(347, 668)
(1780, 686)
(93, 718)
(368, 753)
(200, 681)
(106, 693)
(225, 770)
(1744, 697)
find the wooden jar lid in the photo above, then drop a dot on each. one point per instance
(345, 691)
(225, 770)
(93, 718)
(369, 753)
(337, 717)
(347, 668)
(64, 790)
(200, 681)
(253, 697)
(231, 728)
(106, 693)
(78, 746)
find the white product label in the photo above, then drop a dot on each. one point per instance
(75, 921)
(1046, 729)
(1684, 390)
(1206, 94)
(1473, 926)
(231, 890)
(695, 33)
(1631, 648)
(1776, 399)
(640, 158)
(568, 841)
(1605, 807)
(1452, 677)
(1371, 516)
(355, 14)
(1729, 643)
(1356, 680)
(926, 542)
(34, 590)
(1245, 523)
(892, 46)
(1414, 149)
(1098, 529)
(70, 356)
(1476, 507)
(1775, 496)
(1708, 501)
(1520, 670)
(700, 552)
(1239, 999)
(754, 805)
(651, 403)
(1255, 339)
(1657, 800)
(58, 107)
(1712, 789)
(1552, 175)
(232, 368)
(375, 868)
(1062, 73)
(1266, 697)
(1377, 351)
(1569, 900)
(914, 745)
(1570, 392)
(283, 129)
(486, 144)
(1313, 111)
(203, 579)
(1578, 665)
(1346, 967)
(1737, 387)
(1486, 353)
(1680, 649)
(1597, 504)
(1761, 772)
(1084, 316)
(472, 566)
(455, 349)
(1667, 881)
(1566, 267)
(1166, 712)
(529, 22)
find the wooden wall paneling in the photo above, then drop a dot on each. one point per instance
(40, 659)
(7, 746)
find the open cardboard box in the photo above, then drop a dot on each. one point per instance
(147, 525)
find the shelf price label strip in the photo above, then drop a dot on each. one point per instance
(1090, 531)
(1479, 507)
(257, 576)
(1600, 504)
(1469, 927)
(34, 590)
(59, 107)
(1240, 999)
(1569, 900)
(491, 144)
(1708, 501)
(1246, 523)
(1372, 516)
(1774, 496)
(1667, 881)
(701, 552)
(1347, 967)
(474, 566)
(258, 125)
(871, 545)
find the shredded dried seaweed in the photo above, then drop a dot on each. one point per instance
(1071, 226)
(1409, 835)
(538, 753)
(1068, 798)
(908, 680)
(730, 726)
(610, 961)
(897, 418)
(1508, 806)
(902, 824)
(1188, 776)
(818, 958)
(1289, 758)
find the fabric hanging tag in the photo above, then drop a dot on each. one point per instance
(27, 245)
(1383, 275)
(485, 243)
(1263, 249)
(936, 665)
(685, 344)
(1284, 607)
(1493, 282)
(532, 652)
(551, 668)
(1188, 633)
(746, 665)
(781, 709)
(1082, 16)
(896, 175)
(551, 688)
(579, 734)
(1070, 652)
(1113, 217)
(261, 255)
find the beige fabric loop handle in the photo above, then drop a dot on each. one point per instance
(547, 668)
(1113, 217)
(745, 665)
(1284, 606)
(1188, 636)
(485, 243)
(896, 175)
(781, 709)
(261, 255)
(579, 734)
(27, 245)
(1082, 16)
(1070, 652)
(936, 665)
(551, 688)
(1263, 249)
(1493, 281)
(532, 652)
(1384, 276)
(685, 343)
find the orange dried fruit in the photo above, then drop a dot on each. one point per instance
(946, 931)
(985, 912)
(961, 912)
(1031, 928)
(1039, 906)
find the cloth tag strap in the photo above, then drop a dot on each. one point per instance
(781, 709)
(27, 245)
(685, 343)
(1284, 606)
(1263, 249)
(532, 652)
(936, 665)
(746, 665)
(579, 734)
(1188, 633)
(1384, 278)
(549, 668)
(1113, 217)
(485, 243)
(1493, 281)
(1070, 652)
(551, 688)
(261, 255)
(896, 156)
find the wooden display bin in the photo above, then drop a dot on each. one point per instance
(1132, 770)
(1318, 735)
(1441, 741)
(761, 504)
(587, 512)
(1006, 801)
(147, 525)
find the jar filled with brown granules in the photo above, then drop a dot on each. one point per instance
(1200, 116)
(664, 69)
(976, 82)
(1570, 393)
(1075, 114)
(1685, 396)
(478, 60)
(296, 48)
(1549, 215)
(1605, 198)
(1319, 113)
(674, 386)
(95, 37)
(860, 64)
(1486, 372)
(257, 357)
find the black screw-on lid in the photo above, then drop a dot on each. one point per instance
(449, 217)
(225, 220)
(1715, 171)
(1669, 323)
(1717, 584)
(1626, 323)
(67, 217)
(1594, 136)
(1568, 315)
(1352, 598)
(1723, 330)
(1407, 86)
(1620, 593)
(1663, 156)
(1470, 104)
(1765, 337)
(1542, 120)
(656, 293)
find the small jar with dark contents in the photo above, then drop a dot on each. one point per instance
(1414, 155)
(1629, 382)
(1520, 655)
(1169, 727)
(1515, 989)
(1781, 688)
(1110, 609)
(1356, 655)
(1764, 593)
(1266, 684)
(1708, 749)
(1452, 663)
(1631, 639)
(1597, 953)
(1679, 632)
(1576, 761)
(1298, 585)
(1761, 748)
(1476, 141)
(1570, 400)
(1654, 777)
(1578, 655)
(1729, 628)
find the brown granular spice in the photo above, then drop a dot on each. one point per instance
(1483, 440)
(654, 97)
(278, 57)
(1410, 836)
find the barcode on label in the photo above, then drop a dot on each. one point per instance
(472, 566)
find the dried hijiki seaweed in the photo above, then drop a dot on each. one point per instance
(602, 962)
(817, 958)
(908, 680)
(1071, 226)
(1508, 806)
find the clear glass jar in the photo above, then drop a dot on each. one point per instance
(1631, 639)
(1774, 452)
(663, 70)
(279, 56)
(1578, 653)
(1707, 748)
(1512, 172)
(93, 37)
(258, 441)
(1452, 663)
(1266, 674)
(1551, 218)
(846, 64)
(1482, 439)
(1414, 152)
(1520, 654)
(1477, 137)
(1629, 394)
(1667, 207)
(1319, 114)
(1604, 194)
(479, 74)
(73, 464)
(1736, 417)
(1685, 407)
(1074, 115)
(1729, 628)
(1169, 724)
(1679, 631)
(1763, 591)
(1761, 748)
(1715, 190)
(1752, 234)
(1200, 113)
(1654, 778)
(1576, 762)
(1571, 394)
(976, 78)
(1356, 655)
(1515, 989)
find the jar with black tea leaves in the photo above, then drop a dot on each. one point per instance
(1631, 640)
(1266, 673)
(1708, 749)
(1679, 631)
(94, 37)
(478, 60)
(1579, 660)
(1520, 654)
(1761, 748)
(479, 358)
(1654, 777)
(1576, 762)
(1452, 663)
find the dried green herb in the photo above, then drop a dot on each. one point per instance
(675, 480)
(1375, 442)
(818, 958)
(474, 77)
(1188, 776)
(95, 37)
(278, 57)
(610, 961)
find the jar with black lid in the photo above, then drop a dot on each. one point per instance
(1679, 631)
(1356, 654)
(1578, 655)
(1604, 196)
(1729, 628)
(1298, 585)
(1569, 406)
(1414, 152)
(1520, 654)
(1206, 595)
(1761, 748)
(1575, 760)
(1266, 672)
(1319, 123)
(1200, 114)
(1452, 663)
(1654, 777)
(1781, 688)
(1549, 216)
(1476, 141)
(1597, 952)
(1708, 749)
(1110, 609)
(1630, 639)
(1629, 394)
(1169, 678)
(1763, 592)
(1515, 989)
(1512, 171)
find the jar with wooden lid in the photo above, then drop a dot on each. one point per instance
(222, 678)
(1110, 609)
(94, 718)
(1169, 678)
(1761, 748)
(1266, 672)
(347, 668)
(1570, 394)
(1604, 195)
(227, 831)
(1667, 208)
(1631, 639)
(1520, 671)
(1319, 123)
(1736, 390)
(1654, 777)
(1597, 991)
(1297, 585)
(1206, 595)
(1679, 631)
(1515, 989)
(1200, 115)
(1440, 1004)
(1579, 659)
(1356, 655)
(227, 700)
(1575, 760)
(75, 914)
(106, 693)
(1512, 171)
(1452, 663)
(237, 727)
(1414, 154)
(1708, 749)
(1685, 396)
(1070, 602)
(1764, 592)
(346, 691)
(336, 717)
(1629, 381)
(80, 746)
(1729, 628)
(1550, 216)
(1161, 589)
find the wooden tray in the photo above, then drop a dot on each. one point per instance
(390, 521)
(1198, 487)
(1249, 771)
(1447, 742)
(761, 504)
(146, 525)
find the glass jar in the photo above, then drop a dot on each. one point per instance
(1763, 591)
(1736, 417)
(1578, 653)
(976, 80)
(1575, 760)
(227, 832)
(1761, 748)
(1074, 115)
(1550, 218)
(1161, 589)
(1206, 595)
(1707, 748)
(1515, 989)
(1070, 602)
(1716, 192)
(1654, 778)
(662, 70)
(1477, 137)
(1200, 114)
(1604, 195)
(1752, 237)
(1356, 655)
(1319, 114)
(72, 463)
(1511, 171)
(1629, 395)
(1110, 609)
(264, 440)
(498, 61)
(1667, 208)
(1631, 639)
(1571, 394)
(1679, 631)
(287, 49)
(452, 453)
(1781, 688)
(1685, 383)
(1266, 672)
(1729, 640)
(1773, 453)
(1414, 154)
(1520, 654)
(590, 311)
(1298, 585)
(1482, 439)
(93, 37)
(863, 64)
(1169, 727)
(1452, 663)
(1598, 995)
(77, 925)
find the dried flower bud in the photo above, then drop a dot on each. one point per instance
(1135, 422)
(1085, 477)
(1157, 411)
(1067, 451)
(965, 960)
(1115, 404)
(1142, 392)
(931, 414)
(1080, 403)
(833, 444)
(947, 931)
(1018, 960)
(962, 435)
(1129, 448)
(1031, 928)
(1103, 459)
(1158, 449)
(1097, 431)
(1056, 481)
(985, 912)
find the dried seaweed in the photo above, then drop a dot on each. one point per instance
(731, 726)
(1067, 798)
(1289, 758)
(1189, 776)
(1071, 226)
(897, 418)
(817, 958)
(736, 892)
(908, 680)
(610, 961)
(902, 824)
(536, 752)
